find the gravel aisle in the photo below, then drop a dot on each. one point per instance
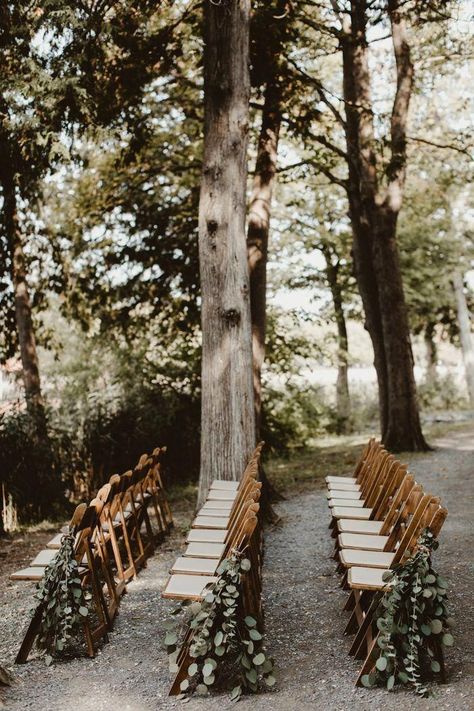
(303, 616)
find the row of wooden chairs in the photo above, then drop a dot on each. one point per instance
(377, 517)
(227, 523)
(114, 536)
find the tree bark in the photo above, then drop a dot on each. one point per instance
(362, 185)
(374, 213)
(343, 401)
(431, 374)
(227, 410)
(23, 312)
(464, 322)
(258, 230)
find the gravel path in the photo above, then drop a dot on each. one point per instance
(303, 618)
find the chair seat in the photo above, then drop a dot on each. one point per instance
(219, 513)
(31, 573)
(352, 503)
(195, 566)
(210, 522)
(205, 550)
(44, 557)
(224, 485)
(218, 495)
(350, 525)
(341, 479)
(368, 559)
(206, 535)
(55, 542)
(227, 505)
(362, 541)
(336, 494)
(360, 578)
(187, 587)
(351, 512)
(344, 486)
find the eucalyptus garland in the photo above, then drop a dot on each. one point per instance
(413, 621)
(62, 599)
(226, 647)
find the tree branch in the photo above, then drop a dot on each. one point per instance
(319, 169)
(320, 90)
(448, 146)
(396, 168)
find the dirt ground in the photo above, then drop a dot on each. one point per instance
(304, 621)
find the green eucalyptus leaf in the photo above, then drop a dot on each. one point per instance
(381, 663)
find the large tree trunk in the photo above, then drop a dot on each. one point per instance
(374, 213)
(227, 411)
(343, 401)
(23, 313)
(464, 323)
(403, 431)
(362, 186)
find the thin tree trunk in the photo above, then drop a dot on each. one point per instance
(343, 401)
(227, 410)
(464, 322)
(258, 233)
(431, 374)
(23, 313)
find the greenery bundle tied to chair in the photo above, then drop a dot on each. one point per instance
(225, 644)
(63, 600)
(413, 621)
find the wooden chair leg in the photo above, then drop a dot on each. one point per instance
(369, 662)
(30, 636)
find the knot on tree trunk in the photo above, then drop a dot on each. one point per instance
(231, 316)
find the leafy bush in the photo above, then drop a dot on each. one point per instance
(30, 468)
(443, 393)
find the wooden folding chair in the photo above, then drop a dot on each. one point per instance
(370, 469)
(83, 524)
(365, 644)
(245, 545)
(364, 579)
(353, 482)
(389, 526)
(396, 543)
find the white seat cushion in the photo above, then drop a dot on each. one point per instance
(206, 535)
(351, 512)
(219, 513)
(362, 541)
(353, 503)
(350, 525)
(227, 505)
(218, 495)
(205, 550)
(351, 495)
(341, 479)
(335, 486)
(187, 587)
(225, 485)
(366, 578)
(195, 566)
(367, 559)
(210, 522)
